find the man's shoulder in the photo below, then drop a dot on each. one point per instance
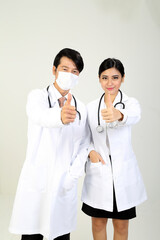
(80, 103)
(37, 92)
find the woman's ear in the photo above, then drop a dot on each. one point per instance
(123, 78)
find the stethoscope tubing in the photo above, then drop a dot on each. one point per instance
(49, 101)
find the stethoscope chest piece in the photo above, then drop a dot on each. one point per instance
(99, 129)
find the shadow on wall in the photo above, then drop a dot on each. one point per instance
(154, 10)
(126, 9)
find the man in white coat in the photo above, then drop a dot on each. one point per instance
(46, 198)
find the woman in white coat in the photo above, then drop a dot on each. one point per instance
(113, 186)
(46, 199)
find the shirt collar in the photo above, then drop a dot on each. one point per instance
(55, 94)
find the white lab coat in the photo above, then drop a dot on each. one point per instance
(46, 198)
(124, 172)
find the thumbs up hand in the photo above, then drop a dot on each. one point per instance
(68, 112)
(110, 114)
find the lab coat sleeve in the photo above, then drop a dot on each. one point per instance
(39, 113)
(131, 114)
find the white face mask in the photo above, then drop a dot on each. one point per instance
(66, 80)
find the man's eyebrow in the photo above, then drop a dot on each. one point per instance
(68, 67)
(64, 66)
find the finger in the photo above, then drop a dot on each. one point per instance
(70, 112)
(107, 119)
(110, 120)
(104, 110)
(66, 121)
(69, 107)
(69, 120)
(101, 159)
(68, 102)
(69, 116)
(107, 116)
(108, 101)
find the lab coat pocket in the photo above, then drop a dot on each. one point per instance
(93, 183)
(67, 184)
(131, 172)
(94, 168)
(35, 177)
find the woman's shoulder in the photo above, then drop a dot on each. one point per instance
(128, 99)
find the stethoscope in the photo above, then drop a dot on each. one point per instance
(75, 103)
(100, 128)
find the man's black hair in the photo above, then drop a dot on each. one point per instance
(71, 54)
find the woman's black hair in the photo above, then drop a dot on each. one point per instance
(111, 63)
(71, 54)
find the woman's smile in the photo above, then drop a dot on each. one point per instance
(110, 89)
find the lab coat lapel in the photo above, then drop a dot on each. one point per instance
(52, 96)
(118, 98)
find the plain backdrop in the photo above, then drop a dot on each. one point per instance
(32, 32)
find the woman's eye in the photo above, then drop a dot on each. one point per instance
(104, 78)
(115, 78)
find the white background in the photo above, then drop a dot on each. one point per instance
(32, 32)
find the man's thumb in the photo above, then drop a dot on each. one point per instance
(68, 102)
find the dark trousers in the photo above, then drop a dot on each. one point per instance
(40, 237)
